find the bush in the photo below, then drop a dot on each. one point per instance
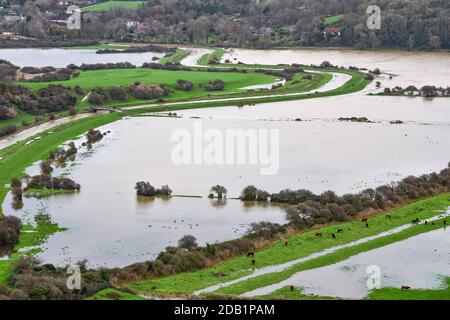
(9, 230)
(148, 91)
(144, 189)
(184, 85)
(188, 242)
(214, 85)
(7, 112)
(9, 129)
(118, 93)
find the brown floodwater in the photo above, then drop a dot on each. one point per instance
(108, 225)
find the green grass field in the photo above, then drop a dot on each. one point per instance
(333, 19)
(104, 6)
(300, 245)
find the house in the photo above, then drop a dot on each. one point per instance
(332, 31)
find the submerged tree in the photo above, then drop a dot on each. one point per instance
(220, 191)
(144, 188)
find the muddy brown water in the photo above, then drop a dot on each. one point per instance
(109, 226)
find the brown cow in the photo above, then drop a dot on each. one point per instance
(388, 216)
(406, 287)
(250, 254)
(318, 234)
(364, 220)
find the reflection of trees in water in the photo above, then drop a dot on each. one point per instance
(217, 203)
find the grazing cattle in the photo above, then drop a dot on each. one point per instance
(340, 230)
(292, 288)
(433, 223)
(253, 262)
(333, 236)
(364, 220)
(285, 243)
(445, 221)
(406, 287)
(250, 254)
(367, 225)
(426, 222)
(388, 216)
(415, 221)
(318, 234)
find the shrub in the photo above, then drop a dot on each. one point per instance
(188, 242)
(214, 85)
(144, 189)
(117, 93)
(184, 85)
(9, 129)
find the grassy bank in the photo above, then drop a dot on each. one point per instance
(179, 55)
(413, 294)
(300, 245)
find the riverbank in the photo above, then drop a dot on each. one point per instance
(300, 245)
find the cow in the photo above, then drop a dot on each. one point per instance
(340, 230)
(250, 254)
(318, 234)
(333, 236)
(253, 262)
(415, 221)
(367, 225)
(364, 220)
(388, 216)
(444, 222)
(405, 287)
(285, 243)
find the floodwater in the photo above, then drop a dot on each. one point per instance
(110, 226)
(62, 57)
(421, 262)
(408, 68)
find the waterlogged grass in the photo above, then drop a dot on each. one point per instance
(413, 294)
(41, 193)
(300, 245)
(30, 237)
(287, 293)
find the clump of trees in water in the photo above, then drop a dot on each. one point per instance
(251, 193)
(425, 91)
(309, 208)
(218, 191)
(144, 188)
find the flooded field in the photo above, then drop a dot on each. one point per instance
(421, 262)
(108, 225)
(62, 57)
